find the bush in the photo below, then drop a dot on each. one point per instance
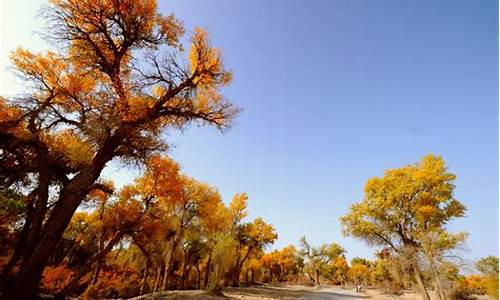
(55, 278)
(113, 284)
(490, 285)
(466, 287)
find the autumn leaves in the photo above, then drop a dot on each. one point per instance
(124, 73)
(165, 218)
(116, 82)
(406, 211)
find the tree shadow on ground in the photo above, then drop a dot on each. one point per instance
(269, 292)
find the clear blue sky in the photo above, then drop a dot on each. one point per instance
(335, 92)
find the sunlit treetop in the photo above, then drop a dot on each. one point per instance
(120, 76)
(238, 207)
(404, 205)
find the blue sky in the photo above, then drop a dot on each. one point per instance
(333, 93)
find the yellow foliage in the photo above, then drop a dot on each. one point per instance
(238, 206)
(70, 147)
(420, 194)
(358, 272)
(162, 179)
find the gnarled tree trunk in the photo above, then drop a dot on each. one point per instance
(72, 194)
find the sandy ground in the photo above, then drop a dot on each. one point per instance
(313, 293)
(286, 292)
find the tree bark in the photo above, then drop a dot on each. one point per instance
(198, 281)
(439, 287)
(239, 266)
(185, 268)
(40, 212)
(420, 283)
(236, 265)
(22, 239)
(30, 273)
(98, 259)
(144, 280)
(170, 255)
(208, 270)
(158, 271)
(168, 263)
(95, 277)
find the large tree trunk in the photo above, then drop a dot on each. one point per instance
(30, 273)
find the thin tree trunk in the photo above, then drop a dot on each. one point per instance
(166, 270)
(239, 266)
(420, 283)
(22, 240)
(88, 266)
(208, 270)
(95, 278)
(198, 282)
(440, 290)
(144, 280)
(170, 254)
(158, 271)
(168, 263)
(236, 266)
(439, 287)
(40, 211)
(185, 269)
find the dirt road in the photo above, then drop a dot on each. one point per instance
(283, 293)
(270, 292)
